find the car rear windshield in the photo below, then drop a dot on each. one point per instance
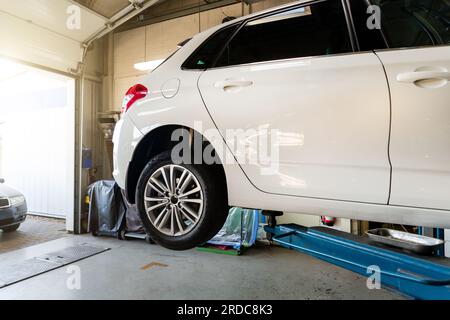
(204, 57)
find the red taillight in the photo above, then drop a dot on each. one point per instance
(133, 94)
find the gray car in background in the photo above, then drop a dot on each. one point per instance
(13, 208)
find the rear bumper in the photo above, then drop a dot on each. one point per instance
(126, 138)
(13, 216)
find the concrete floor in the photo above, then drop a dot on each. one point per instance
(136, 270)
(33, 231)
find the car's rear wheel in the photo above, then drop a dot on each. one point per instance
(11, 228)
(181, 206)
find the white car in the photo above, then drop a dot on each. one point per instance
(318, 107)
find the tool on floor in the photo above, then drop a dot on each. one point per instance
(125, 235)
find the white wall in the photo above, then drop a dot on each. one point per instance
(313, 221)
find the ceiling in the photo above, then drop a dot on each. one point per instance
(37, 31)
(106, 8)
(52, 15)
(171, 9)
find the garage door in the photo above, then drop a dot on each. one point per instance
(37, 137)
(51, 33)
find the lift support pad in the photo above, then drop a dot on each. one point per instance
(419, 277)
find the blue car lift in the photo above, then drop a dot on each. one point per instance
(419, 277)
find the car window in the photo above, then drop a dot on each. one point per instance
(314, 30)
(206, 54)
(407, 23)
(369, 38)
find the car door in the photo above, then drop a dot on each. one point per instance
(419, 80)
(303, 114)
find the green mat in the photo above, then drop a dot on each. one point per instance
(213, 249)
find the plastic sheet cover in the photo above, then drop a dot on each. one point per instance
(240, 229)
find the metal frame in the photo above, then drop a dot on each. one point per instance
(417, 277)
(177, 14)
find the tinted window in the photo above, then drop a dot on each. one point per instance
(408, 23)
(368, 38)
(205, 55)
(315, 30)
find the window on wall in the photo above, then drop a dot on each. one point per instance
(314, 30)
(408, 23)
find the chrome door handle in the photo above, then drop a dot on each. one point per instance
(412, 77)
(232, 83)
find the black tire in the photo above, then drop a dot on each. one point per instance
(149, 240)
(11, 228)
(215, 207)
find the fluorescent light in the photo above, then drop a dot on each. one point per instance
(148, 65)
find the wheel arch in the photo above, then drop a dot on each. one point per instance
(155, 142)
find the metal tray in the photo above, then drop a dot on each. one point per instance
(408, 241)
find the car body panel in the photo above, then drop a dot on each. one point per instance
(126, 137)
(184, 109)
(331, 145)
(420, 139)
(13, 216)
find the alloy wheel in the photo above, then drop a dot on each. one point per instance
(173, 200)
